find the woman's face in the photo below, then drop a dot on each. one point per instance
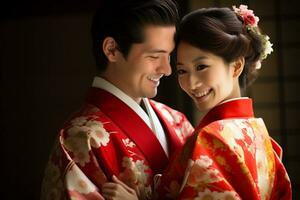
(205, 77)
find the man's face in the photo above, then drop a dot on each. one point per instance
(139, 74)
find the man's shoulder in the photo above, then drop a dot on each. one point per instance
(161, 105)
(87, 112)
(167, 112)
(175, 118)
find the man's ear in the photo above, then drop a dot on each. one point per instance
(238, 66)
(109, 47)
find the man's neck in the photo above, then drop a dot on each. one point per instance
(119, 85)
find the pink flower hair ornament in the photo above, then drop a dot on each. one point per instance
(250, 22)
(247, 15)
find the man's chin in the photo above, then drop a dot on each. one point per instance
(151, 95)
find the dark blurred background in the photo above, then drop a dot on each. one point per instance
(47, 66)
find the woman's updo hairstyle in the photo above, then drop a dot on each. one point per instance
(223, 32)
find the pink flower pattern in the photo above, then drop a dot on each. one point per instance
(247, 15)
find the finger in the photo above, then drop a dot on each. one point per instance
(109, 185)
(118, 181)
(109, 193)
(108, 197)
(113, 191)
(109, 188)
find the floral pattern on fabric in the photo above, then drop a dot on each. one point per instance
(92, 146)
(207, 194)
(77, 181)
(89, 131)
(182, 127)
(136, 176)
(202, 174)
(227, 159)
(52, 183)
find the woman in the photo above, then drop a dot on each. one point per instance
(230, 155)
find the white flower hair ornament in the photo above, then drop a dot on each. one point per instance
(250, 22)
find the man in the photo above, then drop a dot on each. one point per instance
(119, 131)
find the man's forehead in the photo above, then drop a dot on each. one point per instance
(151, 31)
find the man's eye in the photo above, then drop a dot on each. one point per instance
(154, 57)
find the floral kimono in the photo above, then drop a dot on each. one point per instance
(230, 156)
(108, 138)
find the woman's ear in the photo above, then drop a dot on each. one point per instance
(238, 66)
(109, 47)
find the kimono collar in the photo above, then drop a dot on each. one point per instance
(148, 115)
(127, 121)
(107, 86)
(235, 108)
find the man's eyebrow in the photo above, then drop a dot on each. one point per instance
(156, 51)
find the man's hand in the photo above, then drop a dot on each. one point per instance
(117, 190)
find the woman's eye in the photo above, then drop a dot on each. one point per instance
(201, 67)
(180, 71)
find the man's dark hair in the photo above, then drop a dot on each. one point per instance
(125, 21)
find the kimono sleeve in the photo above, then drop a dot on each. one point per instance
(73, 171)
(282, 185)
(170, 183)
(277, 148)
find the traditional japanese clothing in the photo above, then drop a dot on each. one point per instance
(113, 135)
(230, 156)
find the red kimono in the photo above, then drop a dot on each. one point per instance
(230, 156)
(108, 138)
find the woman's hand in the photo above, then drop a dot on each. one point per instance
(118, 190)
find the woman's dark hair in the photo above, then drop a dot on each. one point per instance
(221, 32)
(126, 20)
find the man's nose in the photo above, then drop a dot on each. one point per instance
(165, 67)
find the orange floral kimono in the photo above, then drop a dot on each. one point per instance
(107, 138)
(230, 156)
